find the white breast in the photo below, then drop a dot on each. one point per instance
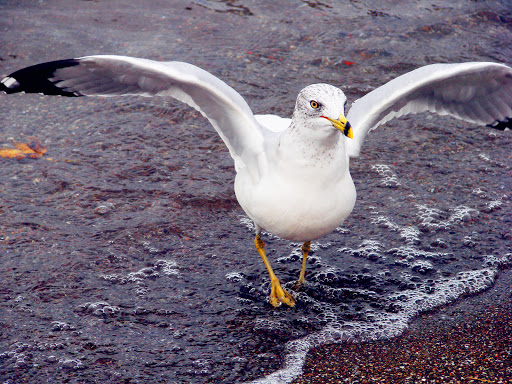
(297, 207)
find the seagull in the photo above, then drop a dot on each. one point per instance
(292, 175)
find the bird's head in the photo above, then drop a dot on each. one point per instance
(321, 107)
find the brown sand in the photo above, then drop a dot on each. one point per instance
(468, 342)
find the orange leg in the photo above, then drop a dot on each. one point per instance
(277, 294)
(306, 247)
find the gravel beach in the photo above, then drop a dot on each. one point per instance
(468, 342)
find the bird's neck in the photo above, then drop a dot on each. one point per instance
(310, 149)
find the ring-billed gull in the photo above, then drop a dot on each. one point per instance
(293, 176)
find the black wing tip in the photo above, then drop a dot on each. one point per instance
(36, 79)
(502, 125)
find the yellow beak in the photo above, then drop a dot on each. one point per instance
(343, 125)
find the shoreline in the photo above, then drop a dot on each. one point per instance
(469, 341)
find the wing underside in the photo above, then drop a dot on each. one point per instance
(106, 75)
(479, 93)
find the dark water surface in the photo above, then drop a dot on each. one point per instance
(124, 256)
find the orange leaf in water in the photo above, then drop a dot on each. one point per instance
(11, 153)
(37, 146)
(24, 148)
(33, 149)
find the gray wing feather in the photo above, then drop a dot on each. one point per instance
(226, 110)
(480, 93)
(109, 75)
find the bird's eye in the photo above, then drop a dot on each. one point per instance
(314, 104)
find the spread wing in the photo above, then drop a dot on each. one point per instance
(480, 93)
(106, 75)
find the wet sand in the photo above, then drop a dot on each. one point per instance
(468, 342)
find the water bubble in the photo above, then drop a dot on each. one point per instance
(104, 208)
(389, 178)
(235, 276)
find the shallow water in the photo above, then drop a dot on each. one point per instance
(124, 254)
